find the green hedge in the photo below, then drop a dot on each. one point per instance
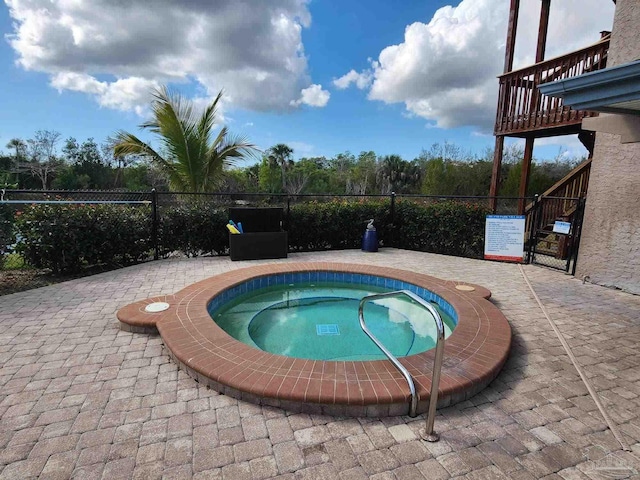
(195, 229)
(7, 234)
(66, 238)
(447, 227)
(336, 225)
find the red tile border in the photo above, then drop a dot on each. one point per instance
(474, 353)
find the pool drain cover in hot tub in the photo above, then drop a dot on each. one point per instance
(325, 329)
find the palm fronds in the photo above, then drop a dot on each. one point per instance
(191, 160)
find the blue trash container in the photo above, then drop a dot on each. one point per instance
(370, 241)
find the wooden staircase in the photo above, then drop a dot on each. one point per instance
(559, 202)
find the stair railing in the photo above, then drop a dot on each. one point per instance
(566, 190)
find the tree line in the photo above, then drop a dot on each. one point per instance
(194, 155)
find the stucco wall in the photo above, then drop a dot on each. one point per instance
(610, 245)
(625, 43)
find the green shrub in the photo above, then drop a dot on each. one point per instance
(448, 227)
(337, 224)
(194, 229)
(7, 234)
(66, 238)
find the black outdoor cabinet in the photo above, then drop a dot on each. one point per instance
(263, 236)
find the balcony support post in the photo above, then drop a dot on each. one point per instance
(508, 66)
(542, 30)
(524, 177)
(511, 35)
(494, 189)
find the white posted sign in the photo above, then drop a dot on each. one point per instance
(504, 238)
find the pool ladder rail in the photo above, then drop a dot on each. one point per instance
(428, 433)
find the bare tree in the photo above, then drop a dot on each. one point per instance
(357, 186)
(41, 156)
(295, 182)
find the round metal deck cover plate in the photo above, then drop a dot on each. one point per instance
(465, 288)
(156, 307)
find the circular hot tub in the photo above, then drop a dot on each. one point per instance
(285, 335)
(314, 315)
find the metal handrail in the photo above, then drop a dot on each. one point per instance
(428, 434)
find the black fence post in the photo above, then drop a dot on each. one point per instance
(392, 237)
(533, 228)
(288, 212)
(154, 223)
(576, 232)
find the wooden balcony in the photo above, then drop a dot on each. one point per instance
(523, 110)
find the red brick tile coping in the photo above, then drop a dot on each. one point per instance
(474, 353)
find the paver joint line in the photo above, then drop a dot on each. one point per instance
(596, 398)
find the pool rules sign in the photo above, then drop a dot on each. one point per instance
(504, 238)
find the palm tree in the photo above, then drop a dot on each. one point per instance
(192, 158)
(389, 172)
(280, 155)
(20, 147)
(398, 175)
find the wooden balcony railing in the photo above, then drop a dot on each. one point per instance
(521, 106)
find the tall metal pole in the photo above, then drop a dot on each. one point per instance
(288, 213)
(533, 227)
(154, 223)
(393, 219)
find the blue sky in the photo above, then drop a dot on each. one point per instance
(422, 72)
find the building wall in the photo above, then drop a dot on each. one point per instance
(610, 245)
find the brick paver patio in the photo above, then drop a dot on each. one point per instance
(80, 398)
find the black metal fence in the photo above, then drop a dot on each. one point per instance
(156, 222)
(32, 260)
(554, 238)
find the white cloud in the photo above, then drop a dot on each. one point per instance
(445, 70)
(314, 96)
(361, 80)
(123, 94)
(301, 149)
(115, 49)
(568, 146)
